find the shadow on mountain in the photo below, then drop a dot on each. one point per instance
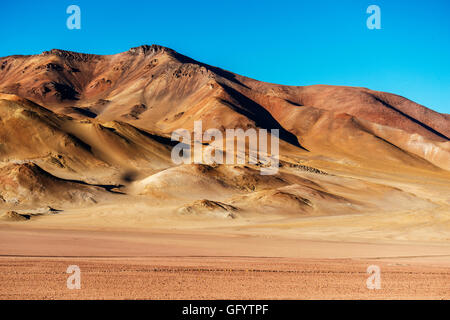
(261, 116)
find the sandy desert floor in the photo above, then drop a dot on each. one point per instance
(199, 264)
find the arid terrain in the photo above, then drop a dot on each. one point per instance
(87, 179)
(167, 264)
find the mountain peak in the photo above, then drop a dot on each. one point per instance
(149, 49)
(58, 52)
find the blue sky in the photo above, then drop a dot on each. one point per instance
(287, 42)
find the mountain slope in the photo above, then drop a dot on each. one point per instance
(158, 89)
(88, 123)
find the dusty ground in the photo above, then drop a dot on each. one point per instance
(217, 278)
(200, 265)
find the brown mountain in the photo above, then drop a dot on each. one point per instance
(158, 89)
(105, 120)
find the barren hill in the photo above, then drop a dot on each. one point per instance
(80, 121)
(158, 89)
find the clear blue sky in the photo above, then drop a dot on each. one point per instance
(288, 42)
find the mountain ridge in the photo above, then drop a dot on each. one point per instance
(157, 89)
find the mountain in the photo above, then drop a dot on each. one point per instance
(106, 120)
(158, 89)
